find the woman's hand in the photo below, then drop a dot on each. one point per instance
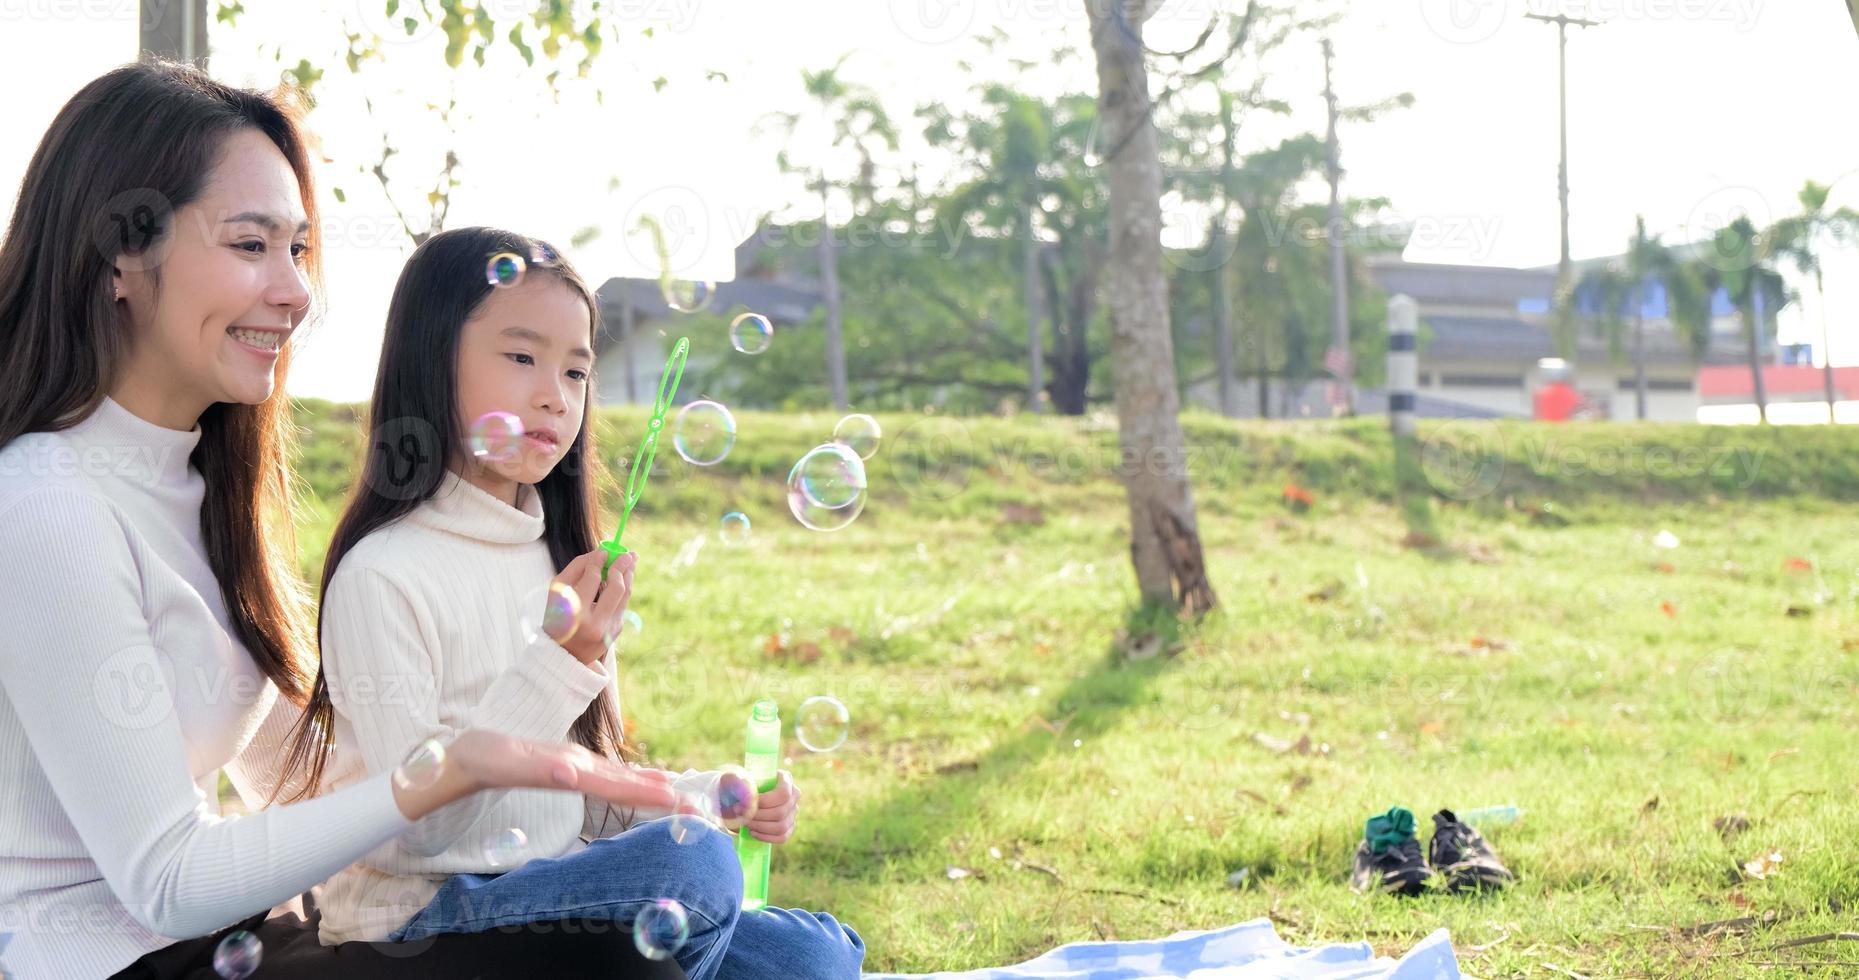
(602, 604)
(776, 810)
(478, 760)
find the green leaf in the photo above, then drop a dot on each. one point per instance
(228, 13)
(659, 83)
(341, 198)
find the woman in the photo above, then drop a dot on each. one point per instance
(160, 258)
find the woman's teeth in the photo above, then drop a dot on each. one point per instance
(262, 339)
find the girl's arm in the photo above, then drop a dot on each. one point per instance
(379, 657)
(81, 672)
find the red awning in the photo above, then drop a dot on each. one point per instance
(1733, 382)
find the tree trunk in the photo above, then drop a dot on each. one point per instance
(1073, 309)
(1035, 358)
(1223, 321)
(829, 284)
(1754, 324)
(1826, 349)
(1639, 361)
(1165, 544)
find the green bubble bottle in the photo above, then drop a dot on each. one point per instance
(762, 757)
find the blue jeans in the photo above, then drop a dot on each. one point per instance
(616, 877)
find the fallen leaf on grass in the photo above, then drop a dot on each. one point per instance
(1023, 514)
(1730, 824)
(1419, 539)
(842, 634)
(1798, 565)
(1799, 612)
(1481, 555)
(1433, 727)
(1326, 593)
(1303, 745)
(1763, 865)
(1784, 753)
(1669, 609)
(1651, 804)
(1742, 923)
(1664, 566)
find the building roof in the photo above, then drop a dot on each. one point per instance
(781, 302)
(1439, 284)
(1476, 338)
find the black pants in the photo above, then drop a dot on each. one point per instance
(567, 948)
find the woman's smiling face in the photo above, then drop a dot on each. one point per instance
(220, 293)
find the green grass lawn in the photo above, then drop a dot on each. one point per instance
(1626, 697)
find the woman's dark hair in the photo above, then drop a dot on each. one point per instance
(122, 157)
(415, 430)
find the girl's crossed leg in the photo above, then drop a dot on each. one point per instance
(616, 877)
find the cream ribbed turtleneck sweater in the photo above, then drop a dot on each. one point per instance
(424, 634)
(122, 696)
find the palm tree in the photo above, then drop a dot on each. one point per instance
(1625, 283)
(1797, 238)
(854, 116)
(1756, 290)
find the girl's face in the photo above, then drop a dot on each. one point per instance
(232, 289)
(525, 351)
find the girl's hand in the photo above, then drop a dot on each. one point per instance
(601, 605)
(776, 810)
(478, 760)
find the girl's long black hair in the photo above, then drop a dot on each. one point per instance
(414, 429)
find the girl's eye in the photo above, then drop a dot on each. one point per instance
(523, 359)
(578, 375)
(299, 251)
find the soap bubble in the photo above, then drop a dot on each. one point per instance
(561, 613)
(688, 296)
(813, 514)
(421, 767)
(831, 475)
(692, 816)
(660, 929)
(504, 848)
(496, 437)
(822, 724)
(735, 794)
(734, 528)
(505, 270)
(751, 333)
(703, 432)
(542, 253)
(237, 955)
(858, 432)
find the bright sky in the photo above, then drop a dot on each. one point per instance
(1686, 111)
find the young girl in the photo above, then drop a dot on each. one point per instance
(431, 596)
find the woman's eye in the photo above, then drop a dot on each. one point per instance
(578, 375)
(254, 247)
(524, 359)
(299, 251)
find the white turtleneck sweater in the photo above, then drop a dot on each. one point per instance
(423, 635)
(122, 696)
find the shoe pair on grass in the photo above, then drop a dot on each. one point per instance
(1389, 857)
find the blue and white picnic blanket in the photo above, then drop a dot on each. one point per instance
(1248, 951)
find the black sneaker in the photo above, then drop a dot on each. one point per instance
(1389, 858)
(1463, 855)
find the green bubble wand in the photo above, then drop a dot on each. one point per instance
(648, 448)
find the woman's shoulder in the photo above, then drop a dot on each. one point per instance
(41, 469)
